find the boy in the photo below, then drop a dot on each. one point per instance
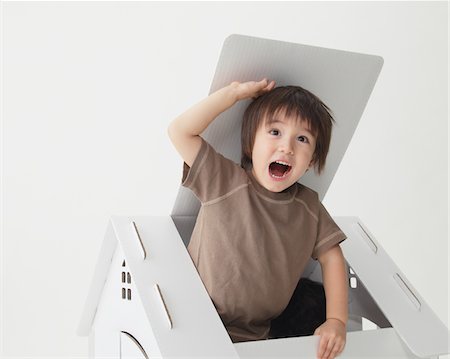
(257, 227)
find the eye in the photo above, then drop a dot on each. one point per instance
(274, 132)
(303, 139)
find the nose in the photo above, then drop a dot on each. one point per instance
(286, 147)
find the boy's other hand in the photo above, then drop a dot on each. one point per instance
(332, 338)
(251, 89)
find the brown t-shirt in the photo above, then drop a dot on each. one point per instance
(250, 245)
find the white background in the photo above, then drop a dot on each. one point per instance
(88, 90)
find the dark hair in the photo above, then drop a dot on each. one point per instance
(296, 102)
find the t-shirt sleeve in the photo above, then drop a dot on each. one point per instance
(212, 175)
(328, 233)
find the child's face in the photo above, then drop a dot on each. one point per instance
(285, 140)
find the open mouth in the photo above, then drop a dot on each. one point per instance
(279, 169)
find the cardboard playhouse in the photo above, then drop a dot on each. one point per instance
(147, 300)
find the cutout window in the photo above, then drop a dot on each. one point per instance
(126, 279)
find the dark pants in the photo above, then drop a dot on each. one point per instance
(304, 313)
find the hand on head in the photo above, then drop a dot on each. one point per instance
(252, 89)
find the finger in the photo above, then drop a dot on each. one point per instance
(337, 349)
(322, 347)
(270, 86)
(261, 84)
(334, 353)
(263, 91)
(329, 349)
(257, 88)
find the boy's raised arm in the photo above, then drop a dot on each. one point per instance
(184, 131)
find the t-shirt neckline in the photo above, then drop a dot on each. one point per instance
(287, 194)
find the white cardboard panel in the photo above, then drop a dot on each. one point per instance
(196, 329)
(418, 333)
(101, 271)
(116, 314)
(380, 343)
(414, 321)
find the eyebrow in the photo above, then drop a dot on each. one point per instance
(283, 122)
